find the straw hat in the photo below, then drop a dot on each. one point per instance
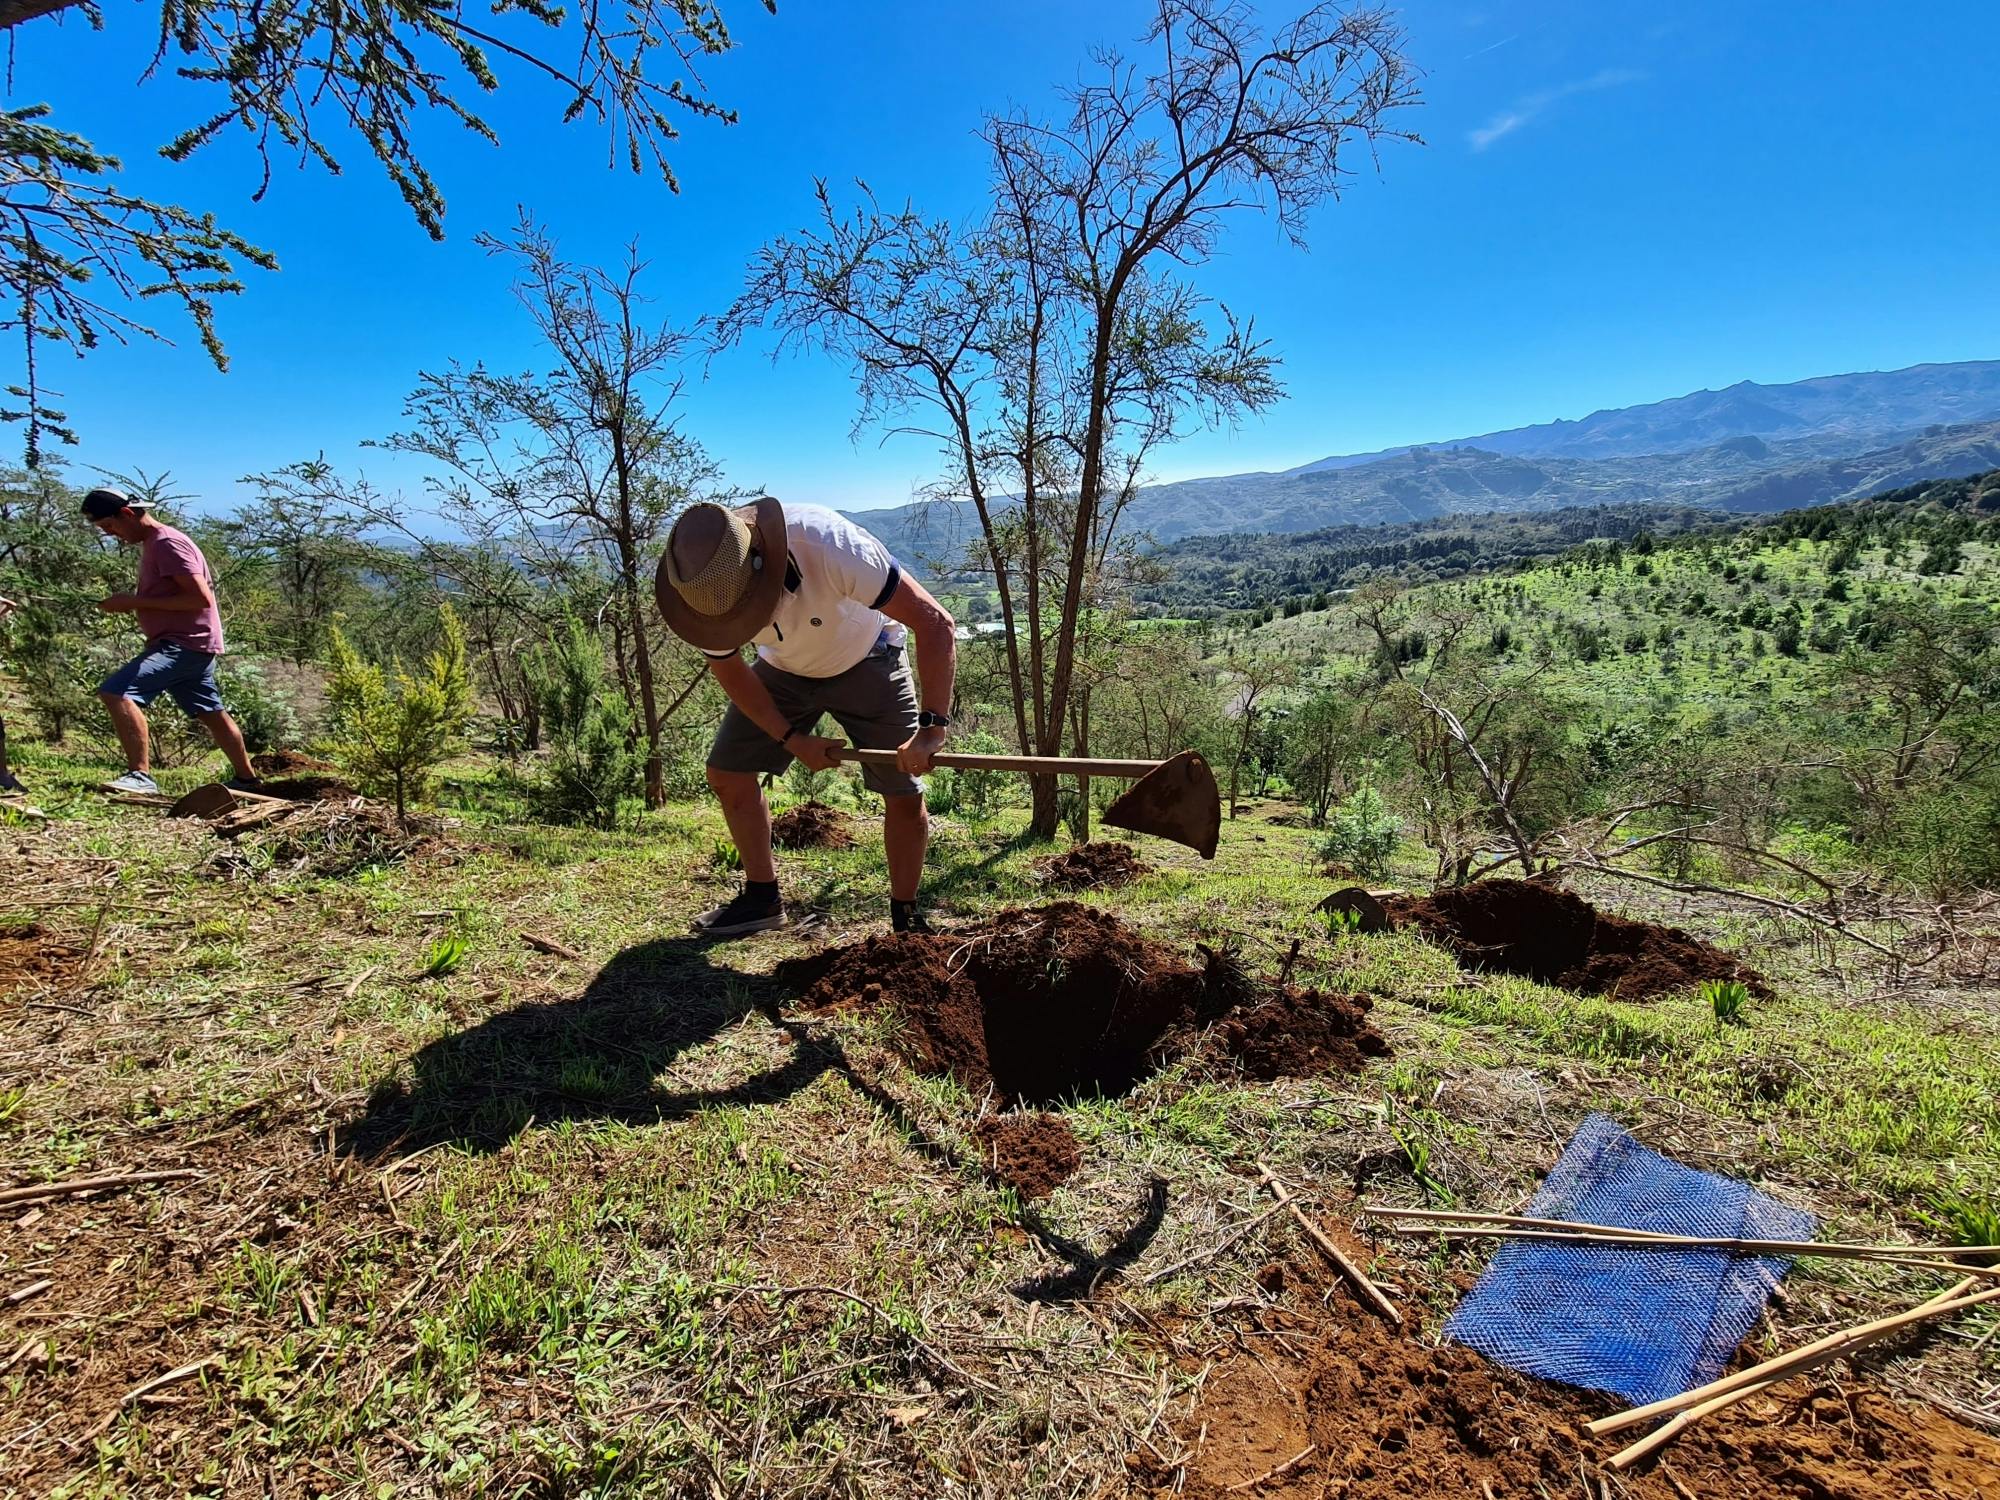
(722, 572)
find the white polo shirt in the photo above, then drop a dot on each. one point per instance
(830, 613)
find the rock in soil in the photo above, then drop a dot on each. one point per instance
(1540, 931)
(811, 825)
(1032, 1154)
(1046, 1003)
(1099, 866)
(1379, 1415)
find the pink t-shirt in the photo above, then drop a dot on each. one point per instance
(165, 553)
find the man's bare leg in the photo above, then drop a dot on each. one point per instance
(129, 721)
(749, 818)
(906, 833)
(229, 740)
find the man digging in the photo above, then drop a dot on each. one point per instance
(174, 604)
(825, 605)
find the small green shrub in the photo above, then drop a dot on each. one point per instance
(1725, 999)
(1967, 1220)
(726, 856)
(445, 957)
(1362, 833)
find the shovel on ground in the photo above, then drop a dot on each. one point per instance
(1171, 799)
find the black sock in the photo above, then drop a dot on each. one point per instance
(900, 913)
(765, 891)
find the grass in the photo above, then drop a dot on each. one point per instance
(528, 1225)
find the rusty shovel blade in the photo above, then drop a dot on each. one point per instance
(1175, 800)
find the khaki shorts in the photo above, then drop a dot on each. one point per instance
(874, 702)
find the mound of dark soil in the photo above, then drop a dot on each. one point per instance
(1045, 1003)
(1032, 1154)
(286, 762)
(811, 825)
(308, 788)
(1540, 931)
(1343, 1404)
(1099, 867)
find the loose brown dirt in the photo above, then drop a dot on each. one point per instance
(1094, 867)
(29, 954)
(1540, 931)
(1032, 1154)
(811, 825)
(1378, 1415)
(309, 788)
(287, 762)
(1046, 1003)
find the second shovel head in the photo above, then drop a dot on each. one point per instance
(1175, 800)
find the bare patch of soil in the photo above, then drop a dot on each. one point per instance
(1100, 867)
(1540, 931)
(1032, 1154)
(1044, 1003)
(1337, 1402)
(287, 762)
(811, 825)
(29, 954)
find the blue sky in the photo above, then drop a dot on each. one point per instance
(1616, 203)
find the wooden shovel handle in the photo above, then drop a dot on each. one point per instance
(1127, 770)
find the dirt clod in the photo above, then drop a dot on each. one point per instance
(811, 825)
(1100, 866)
(1045, 1003)
(1032, 1154)
(309, 788)
(1540, 931)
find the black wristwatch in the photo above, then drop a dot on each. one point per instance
(928, 720)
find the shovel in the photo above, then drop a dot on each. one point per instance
(1172, 799)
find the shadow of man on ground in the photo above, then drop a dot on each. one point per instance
(594, 1057)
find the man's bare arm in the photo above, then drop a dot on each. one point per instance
(190, 594)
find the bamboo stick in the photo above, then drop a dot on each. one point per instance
(1568, 1226)
(1774, 1371)
(1359, 1278)
(1806, 1356)
(1642, 1241)
(1521, 1227)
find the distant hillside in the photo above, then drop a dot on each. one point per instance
(1864, 405)
(1741, 473)
(1208, 575)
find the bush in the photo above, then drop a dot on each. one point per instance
(1362, 833)
(391, 730)
(969, 794)
(265, 713)
(1945, 841)
(595, 763)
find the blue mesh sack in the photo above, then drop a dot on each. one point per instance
(1642, 1324)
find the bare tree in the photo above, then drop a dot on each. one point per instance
(586, 457)
(1054, 344)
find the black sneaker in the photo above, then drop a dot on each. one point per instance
(904, 917)
(743, 913)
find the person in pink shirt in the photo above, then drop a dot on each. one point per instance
(174, 605)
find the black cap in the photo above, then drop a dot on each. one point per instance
(102, 503)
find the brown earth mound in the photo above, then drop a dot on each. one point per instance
(308, 788)
(1100, 867)
(28, 953)
(286, 762)
(1032, 1154)
(811, 825)
(1340, 1403)
(1543, 932)
(1045, 1003)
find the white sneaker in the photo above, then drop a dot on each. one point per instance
(133, 781)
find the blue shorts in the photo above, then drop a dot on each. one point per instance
(168, 667)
